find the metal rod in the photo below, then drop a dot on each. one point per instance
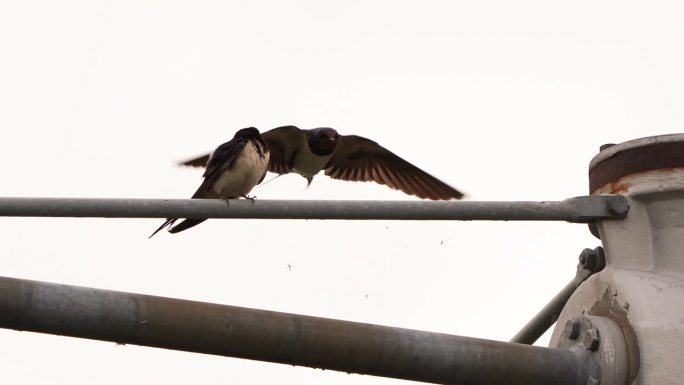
(169, 323)
(579, 209)
(546, 317)
(591, 262)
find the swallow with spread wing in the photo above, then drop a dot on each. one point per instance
(345, 157)
(233, 169)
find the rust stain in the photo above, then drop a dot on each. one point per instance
(619, 188)
(622, 185)
(629, 161)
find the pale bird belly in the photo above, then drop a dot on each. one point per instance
(246, 173)
(309, 164)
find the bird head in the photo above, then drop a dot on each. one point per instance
(251, 133)
(322, 140)
(247, 133)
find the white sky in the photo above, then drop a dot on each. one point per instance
(504, 100)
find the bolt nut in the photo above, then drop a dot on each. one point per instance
(591, 339)
(588, 259)
(592, 381)
(572, 329)
(619, 208)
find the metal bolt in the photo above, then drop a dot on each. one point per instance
(618, 207)
(572, 329)
(591, 339)
(588, 258)
(593, 381)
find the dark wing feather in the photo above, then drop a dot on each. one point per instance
(220, 160)
(283, 143)
(360, 159)
(200, 161)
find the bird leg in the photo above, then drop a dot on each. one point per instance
(249, 198)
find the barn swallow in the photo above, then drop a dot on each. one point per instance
(345, 157)
(233, 169)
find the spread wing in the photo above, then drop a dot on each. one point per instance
(283, 143)
(220, 160)
(360, 159)
(200, 161)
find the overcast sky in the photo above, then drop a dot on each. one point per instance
(503, 100)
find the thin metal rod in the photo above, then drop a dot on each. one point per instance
(580, 209)
(547, 316)
(591, 262)
(169, 323)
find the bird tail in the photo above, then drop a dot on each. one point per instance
(169, 222)
(186, 224)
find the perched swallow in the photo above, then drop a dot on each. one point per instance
(233, 169)
(345, 157)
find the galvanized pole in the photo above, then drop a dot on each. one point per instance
(280, 337)
(579, 209)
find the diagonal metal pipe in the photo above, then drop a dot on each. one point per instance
(280, 337)
(590, 262)
(580, 209)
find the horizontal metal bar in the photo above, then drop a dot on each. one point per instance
(579, 209)
(280, 337)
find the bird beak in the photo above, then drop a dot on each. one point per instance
(329, 142)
